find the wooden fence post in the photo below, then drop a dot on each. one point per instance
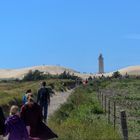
(102, 101)
(114, 115)
(105, 105)
(100, 97)
(109, 111)
(124, 125)
(98, 93)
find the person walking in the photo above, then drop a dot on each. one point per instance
(31, 114)
(14, 126)
(24, 99)
(43, 99)
(2, 125)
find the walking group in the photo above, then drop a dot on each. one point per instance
(28, 123)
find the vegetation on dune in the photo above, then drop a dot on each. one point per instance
(82, 118)
(12, 92)
(38, 75)
(117, 74)
(125, 91)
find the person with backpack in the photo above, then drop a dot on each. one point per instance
(2, 121)
(43, 99)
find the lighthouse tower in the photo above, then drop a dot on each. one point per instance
(101, 64)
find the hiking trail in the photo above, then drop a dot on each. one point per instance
(56, 100)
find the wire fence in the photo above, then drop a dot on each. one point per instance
(119, 114)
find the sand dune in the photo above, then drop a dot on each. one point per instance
(20, 73)
(131, 70)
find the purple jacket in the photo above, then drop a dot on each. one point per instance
(16, 128)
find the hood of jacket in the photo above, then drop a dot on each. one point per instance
(13, 119)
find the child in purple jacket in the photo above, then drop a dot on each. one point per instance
(15, 127)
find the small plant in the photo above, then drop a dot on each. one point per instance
(117, 74)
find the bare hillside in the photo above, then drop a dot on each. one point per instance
(131, 70)
(20, 73)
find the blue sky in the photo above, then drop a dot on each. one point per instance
(70, 33)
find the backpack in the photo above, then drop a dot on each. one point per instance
(44, 95)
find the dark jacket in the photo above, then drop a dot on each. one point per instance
(32, 116)
(16, 128)
(43, 96)
(2, 121)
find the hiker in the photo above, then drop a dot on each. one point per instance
(43, 99)
(31, 114)
(24, 99)
(15, 127)
(2, 121)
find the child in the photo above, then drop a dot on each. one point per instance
(15, 126)
(24, 99)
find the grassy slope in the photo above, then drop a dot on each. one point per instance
(82, 118)
(15, 90)
(127, 96)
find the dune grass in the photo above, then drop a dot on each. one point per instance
(82, 118)
(11, 91)
(126, 93)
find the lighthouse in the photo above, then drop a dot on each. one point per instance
(101, 64)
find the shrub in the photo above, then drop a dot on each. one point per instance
(117, 74)
(33, 75)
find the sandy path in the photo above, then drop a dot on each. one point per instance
(56, 101)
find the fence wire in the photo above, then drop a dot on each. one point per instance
(113, 108)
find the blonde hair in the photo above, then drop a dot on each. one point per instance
(14, 110)
(30, 97)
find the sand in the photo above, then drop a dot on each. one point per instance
(20, 73)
